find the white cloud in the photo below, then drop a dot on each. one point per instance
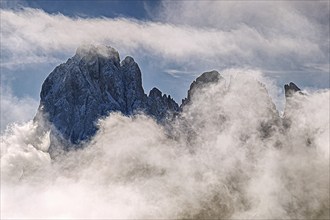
(213, 162)
(178, 73)
(226, 168)
(14, 109)
(269, 36)
(286, 32)
(302, 19)
(191, 37)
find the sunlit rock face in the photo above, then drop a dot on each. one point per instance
(92, 84)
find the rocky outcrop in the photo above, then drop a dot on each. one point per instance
(202, 81)
(293, 96)
(290, 89)
(89, 86)
(94, 83)
(161, 106)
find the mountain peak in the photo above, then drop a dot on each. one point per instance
(155, 92)
(127, 61)
(203, 80)
(91, 85)
(90, 50)
(290, 89)
(208, 77)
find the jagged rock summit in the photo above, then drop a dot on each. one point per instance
(95, 82)
(292, 95)
(203, 80)
(290, 89)
(92, 84)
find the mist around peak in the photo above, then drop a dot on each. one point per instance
(227, 156)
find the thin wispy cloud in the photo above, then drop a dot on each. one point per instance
(178, 73)
(280, 39)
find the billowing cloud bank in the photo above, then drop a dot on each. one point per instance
(215, 161)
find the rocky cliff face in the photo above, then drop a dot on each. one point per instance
(160, 105)
(92, 84)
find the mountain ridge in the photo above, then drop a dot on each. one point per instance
(94, 83)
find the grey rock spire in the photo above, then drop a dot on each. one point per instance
(291, 89)
(161, 106)
(89, 86)
(203, 80)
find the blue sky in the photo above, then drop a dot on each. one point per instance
(21, 78)
(26, 80)
(90, 8)
(172, 41)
